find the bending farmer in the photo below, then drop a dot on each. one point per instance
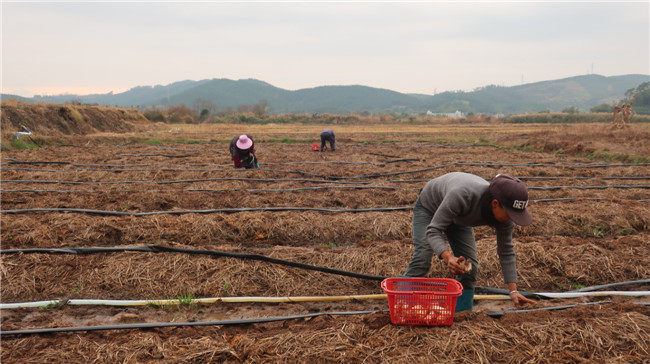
(453, 204)
(242, 151)
(327, 135)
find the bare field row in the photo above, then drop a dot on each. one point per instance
(591, 226)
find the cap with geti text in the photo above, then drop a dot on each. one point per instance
(512, 194)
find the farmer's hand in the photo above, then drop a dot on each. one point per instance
(453, 264)
(517, 298)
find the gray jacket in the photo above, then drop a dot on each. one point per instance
(456, 198)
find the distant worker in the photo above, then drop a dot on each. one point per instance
(627, 111)
(242, 151)
(617, 120)
(327, 135)
(450, 206)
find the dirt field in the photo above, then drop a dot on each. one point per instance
(348, 210)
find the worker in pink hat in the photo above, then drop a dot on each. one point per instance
(242, 151)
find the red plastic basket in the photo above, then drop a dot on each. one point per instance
(422, 301)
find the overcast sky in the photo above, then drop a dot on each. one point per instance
(409, 47)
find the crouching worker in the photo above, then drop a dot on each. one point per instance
(242, 151)
(327, 135)
(451, 205)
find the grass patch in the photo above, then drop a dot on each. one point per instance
(225, 288)
(597, 231)
(19, 144)
(331, 245)
(49, 306)
(185, 300)
(627, 231)
(607, 156)
(76, 115)
(287, 140)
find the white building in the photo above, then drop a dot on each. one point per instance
(454, 115)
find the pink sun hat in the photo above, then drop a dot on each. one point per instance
(244, 142)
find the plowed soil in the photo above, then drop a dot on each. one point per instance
(348, 210)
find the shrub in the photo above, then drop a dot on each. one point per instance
(154, 115)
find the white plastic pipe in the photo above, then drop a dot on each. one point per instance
(593, 294)
(291, 299)
(193, 301)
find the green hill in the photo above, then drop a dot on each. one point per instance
(582, 92)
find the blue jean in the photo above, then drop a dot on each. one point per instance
(460, 238)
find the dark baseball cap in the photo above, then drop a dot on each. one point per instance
(512, 194)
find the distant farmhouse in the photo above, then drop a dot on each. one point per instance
(454, 115)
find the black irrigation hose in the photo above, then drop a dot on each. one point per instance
(209, 211)
(16, 161)
(550, 188)
(166, 249)
(181, 149)
(498, 314)
(459, 163)
(335, 178)
(249, 209)
(609, 285)
(297, 189)
(494, 165)
(584, 178)
(166, 170)
(182, 181)
(556, 165)
(160, 248)
(392, 173)
(324, 162)
(300, 189)
(489, 290)
(120, 170)
(177, 324)
(579, 198)
(50, 330)
(179, 169)
(295, 180)
(158, 155)
(308, 174)
(537, 178)
(572, 199)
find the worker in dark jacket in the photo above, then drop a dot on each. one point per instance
(451, 205)
(242, 151)
(327, 135)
